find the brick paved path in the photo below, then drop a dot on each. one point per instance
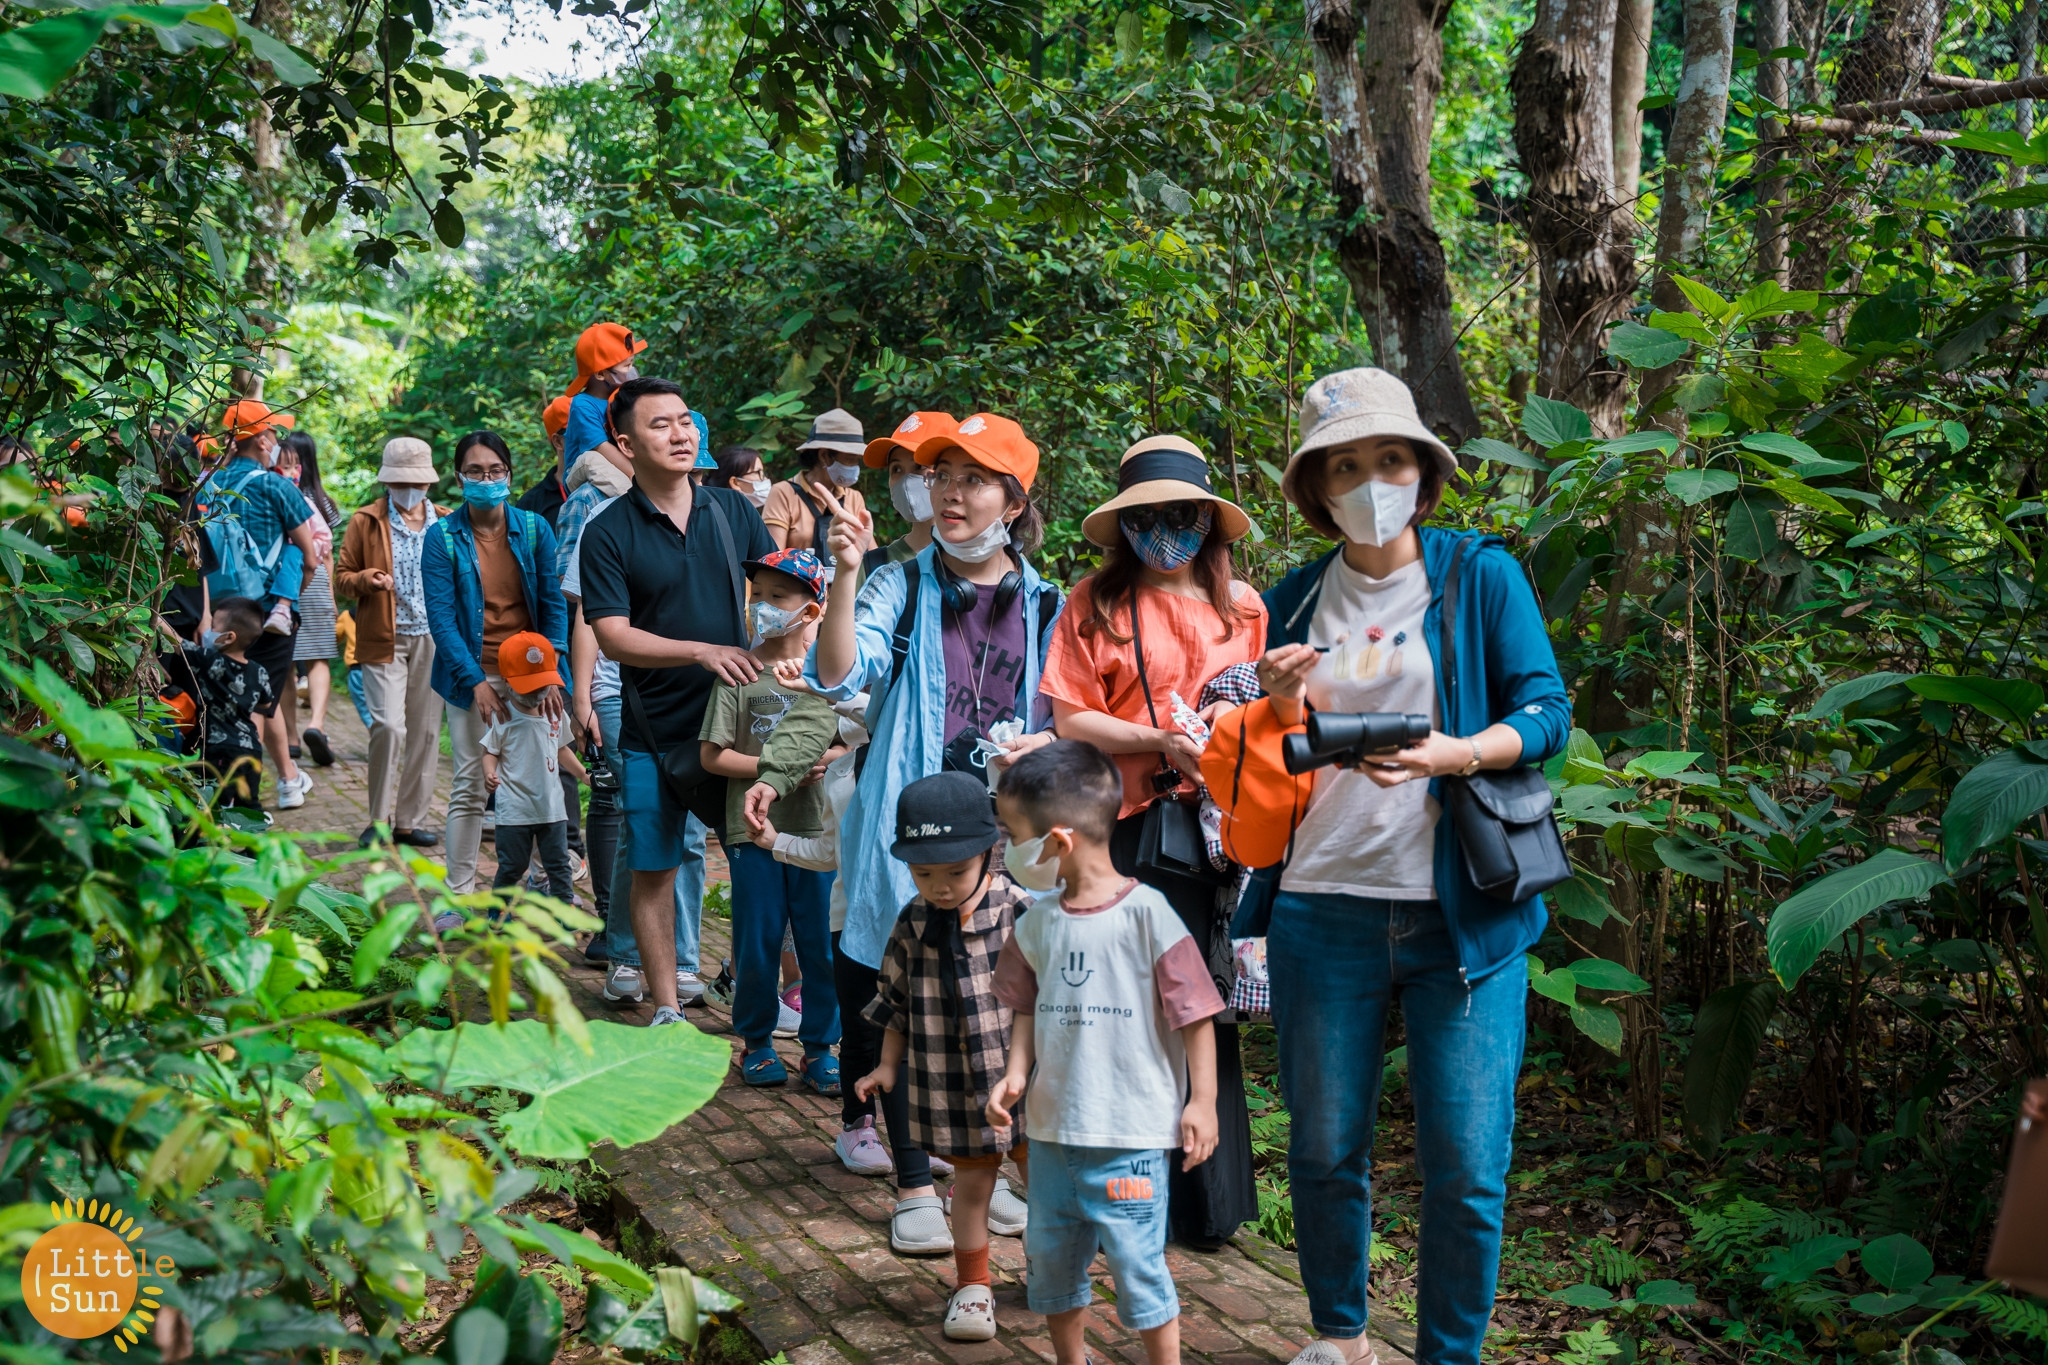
(747, 1191)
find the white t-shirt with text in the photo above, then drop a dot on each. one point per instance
(528, 747)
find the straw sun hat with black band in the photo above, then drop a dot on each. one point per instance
(1161, 469)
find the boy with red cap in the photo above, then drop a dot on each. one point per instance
(524, 754)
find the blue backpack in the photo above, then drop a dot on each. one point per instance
(241, 563)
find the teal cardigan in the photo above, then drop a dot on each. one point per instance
(1507, 674)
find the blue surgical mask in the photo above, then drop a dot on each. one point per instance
(209, 639)
(486, 492)
(1165, 549)
(766, 621)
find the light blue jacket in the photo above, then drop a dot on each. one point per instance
(908, 726)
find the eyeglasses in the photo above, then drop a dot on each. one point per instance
(969, 482)
(487, 474)
(1174, 516)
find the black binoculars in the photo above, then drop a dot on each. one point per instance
(1350, 738)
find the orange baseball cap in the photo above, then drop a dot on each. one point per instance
(527, 663)
(252, 415)
(994, 442)
(554, 418)
(919, 426)
(599, 348)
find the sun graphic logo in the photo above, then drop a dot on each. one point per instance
(85, 1276)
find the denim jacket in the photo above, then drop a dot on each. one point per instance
(455, 599)
(908, 736)
(1507, 674)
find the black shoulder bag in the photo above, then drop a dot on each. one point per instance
(682, 766)
(1170, 840)
(1503, 818)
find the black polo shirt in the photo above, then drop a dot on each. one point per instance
(674, 584)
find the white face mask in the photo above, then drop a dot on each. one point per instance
(1376, 511)
(845, 475)
(405, 499)
(1022, 860)
(770, 622)
(755, 490)
(982, 545)
(913, 501)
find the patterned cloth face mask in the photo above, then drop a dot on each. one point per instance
(766, 621)
(1167, 537)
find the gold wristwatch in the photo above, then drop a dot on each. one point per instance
(1478, 756)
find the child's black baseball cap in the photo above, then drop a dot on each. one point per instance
(944, 818)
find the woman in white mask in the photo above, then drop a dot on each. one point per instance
(896, 456)
(740, 469)
(1374, 903)
(949, 645)
(799, 512)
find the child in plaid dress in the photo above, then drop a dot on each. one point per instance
(936, 1002)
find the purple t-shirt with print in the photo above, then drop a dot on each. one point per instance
(984, 664)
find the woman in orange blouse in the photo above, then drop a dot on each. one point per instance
(1165, 597)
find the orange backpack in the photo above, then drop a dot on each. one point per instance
(1261, 801)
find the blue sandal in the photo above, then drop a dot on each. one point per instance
(762, 1067)
(821, 1073)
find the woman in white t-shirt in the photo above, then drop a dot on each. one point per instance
(1375, 906)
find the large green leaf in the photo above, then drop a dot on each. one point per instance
(1599, 1023)
(1989, 803)
(1886, 319)
(1692, 486)
(36, 57)
(1598, 974)
(1803, 1260)
(634, 1084)
(1897, 1262)
(1500, 452)
(1647, 348)
(1844, 694)
(1725, 1036)
(1752, 525)
(1778, 443)
(1551, 423)
(1815, 915)
(2008, 699)
(1581, 898)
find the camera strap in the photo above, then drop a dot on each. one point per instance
(1144, 683)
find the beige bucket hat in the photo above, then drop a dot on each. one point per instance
(836, 430)
(1162, 469)
(408, 459)
(1355, 405)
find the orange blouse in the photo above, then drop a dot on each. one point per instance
(1092, 672)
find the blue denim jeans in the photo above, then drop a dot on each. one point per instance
(767, 898)
(1338, 963)
(618, 917)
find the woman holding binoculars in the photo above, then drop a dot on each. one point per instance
(1375, 903)
(1139, 640)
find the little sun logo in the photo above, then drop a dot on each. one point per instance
(84, 1276)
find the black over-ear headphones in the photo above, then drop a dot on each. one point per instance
(959, 596)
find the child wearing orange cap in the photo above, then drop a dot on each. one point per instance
(525, 753)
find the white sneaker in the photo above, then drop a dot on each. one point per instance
(971, 1316)
(279, 622)
(787, 1020)
(861, 1151)
(291, 792)
(665, 1015)
(1008, 1214)
(689, 987)
(624, 983)
(1323, 1352)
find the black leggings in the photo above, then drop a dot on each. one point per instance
(860, 1051)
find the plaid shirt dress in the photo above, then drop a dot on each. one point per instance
(938, 989)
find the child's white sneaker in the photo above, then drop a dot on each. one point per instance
(971, 1316)
(1008, 1214)
(1324, 1352)
(291, 791)
(861, 1151)
(279, 622)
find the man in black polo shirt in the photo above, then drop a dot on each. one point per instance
(664, 592)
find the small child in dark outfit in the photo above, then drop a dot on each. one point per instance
(231, 689)
(937, 1002)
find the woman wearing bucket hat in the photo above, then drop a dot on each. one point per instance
(799, 511)
(1375, 903)
(1160, 618)
(948, 644)
(379, 567)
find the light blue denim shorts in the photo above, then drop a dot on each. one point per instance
(1085, 1199)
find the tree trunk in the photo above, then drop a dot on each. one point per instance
(1632, 31)
(1563, 86)
(1773, 86)
(1380, 117)
(1894, 52)
(1693, 158)
(265, 277)
(2026, 43)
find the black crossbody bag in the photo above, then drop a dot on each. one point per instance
(1170, 839)
(682, 765)
(1503, 818)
